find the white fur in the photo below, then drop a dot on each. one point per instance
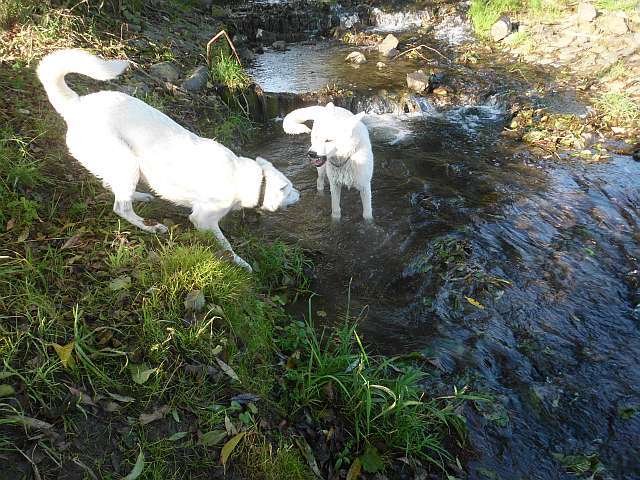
(343, 139)
(121, 139)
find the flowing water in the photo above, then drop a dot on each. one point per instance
(515, 275)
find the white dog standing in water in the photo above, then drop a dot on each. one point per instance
(121, 139)
(340, 150)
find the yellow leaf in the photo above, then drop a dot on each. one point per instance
(475, 303)
(230, 446)
(354, 471)
(66, 354)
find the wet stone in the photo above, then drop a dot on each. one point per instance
(389, 43)
(418, 81)
(166, 71)
(197, 79)
(356, 58)
(614, 23)
(501, 29)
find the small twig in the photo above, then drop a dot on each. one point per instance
(418, 48)
(214, 39)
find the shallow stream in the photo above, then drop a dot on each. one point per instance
(512, 274)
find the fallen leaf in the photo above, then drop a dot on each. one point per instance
(228, 370)
(121, 398)
(111, 407)
(84, 397)
(65, 353)
(137, 468)
(214, 437)
(228, 424)
(6, 390)
(10, 224)
(354, 470)
(140, 373)
(71, 242)
(228, 447)
(475, 303)
(307, 452)
(120, 283)
(321, 313)
(194, 301)
(158, 414)
(245, 398)
(31, 422)
(177, 436)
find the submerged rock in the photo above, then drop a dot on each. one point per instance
(197, 80)
(166, 71)
(356, 57)
(381, 65)
(279, 45)
(418, 81)
(501, 29)
(389, 43)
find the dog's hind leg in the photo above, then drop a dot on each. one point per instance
(322, 174)
(365, 196)
(336, 189)
(205, 219)
(124, 209)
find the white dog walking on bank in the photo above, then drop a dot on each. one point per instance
(121, 139)
(340, 150)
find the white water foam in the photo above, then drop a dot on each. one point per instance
(454, 30)
(469, 118)
(396, 21)
(390, 128)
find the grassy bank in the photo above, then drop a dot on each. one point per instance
(129, 355)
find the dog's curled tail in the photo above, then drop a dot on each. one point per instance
(53, 68)
(293, 123)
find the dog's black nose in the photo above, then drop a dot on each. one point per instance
(312, 154)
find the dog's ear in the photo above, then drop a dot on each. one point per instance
(331, 108)
(353, 121)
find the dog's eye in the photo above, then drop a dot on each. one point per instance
(284, 188)
(327, 141)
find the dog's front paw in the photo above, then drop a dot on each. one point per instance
(160, 228)
(335, 217)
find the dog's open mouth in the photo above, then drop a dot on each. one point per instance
(318, 161)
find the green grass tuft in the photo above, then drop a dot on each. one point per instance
(226, 70)
(382, 399)
(613, 5)
(618, 108)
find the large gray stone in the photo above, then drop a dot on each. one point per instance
(614, 23)
(390, 42)
(197, 80)
(501, 29)
(279, 45)
(586, 13)
(166, 71)
(418, 81)
(391, 53)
